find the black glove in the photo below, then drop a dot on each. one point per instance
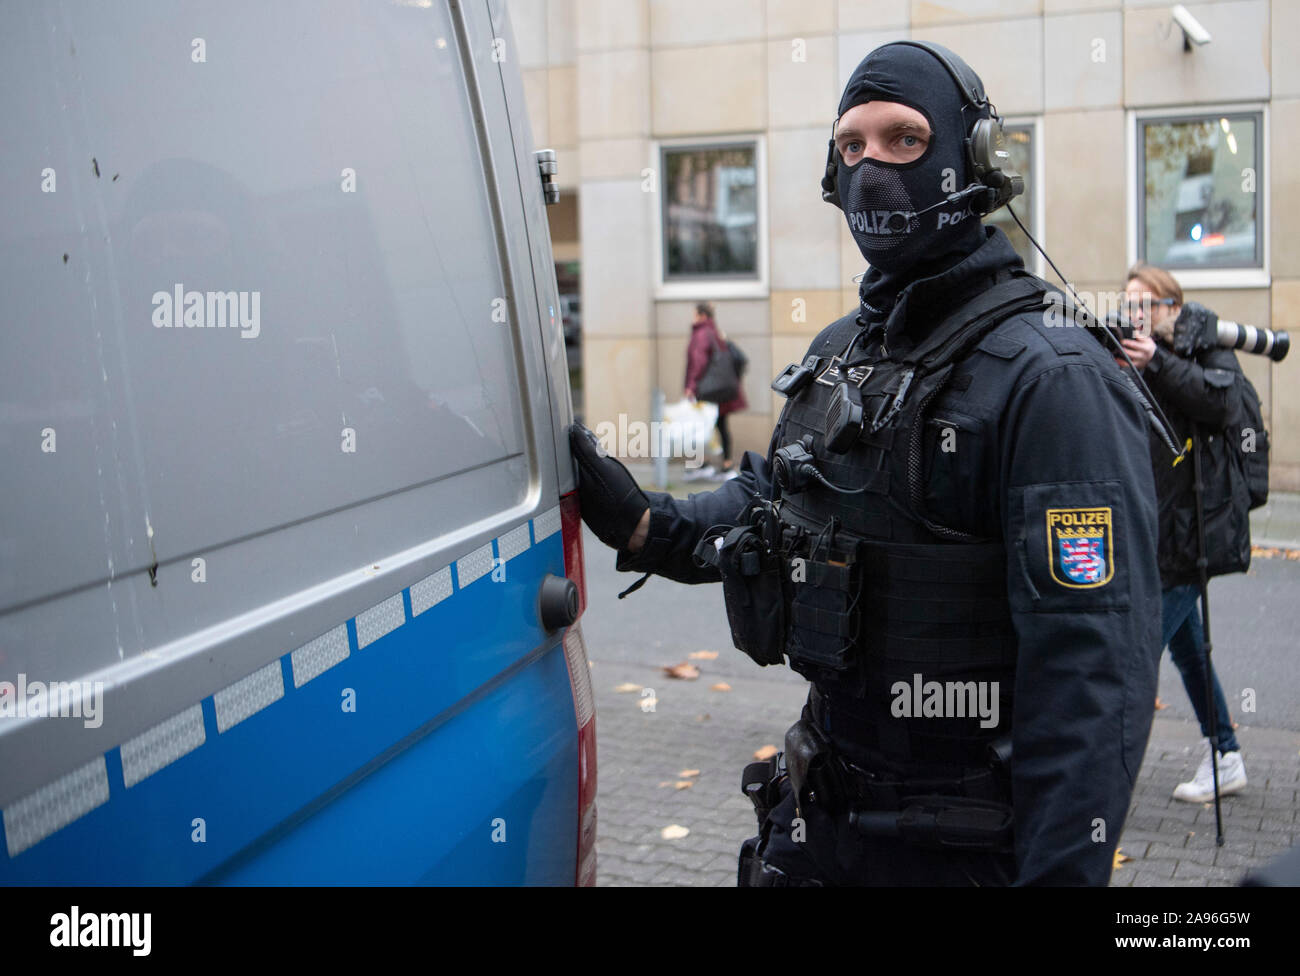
(612, 504)
(1195, 330)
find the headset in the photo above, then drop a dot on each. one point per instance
(986, 151)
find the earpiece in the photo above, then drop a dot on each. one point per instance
(830, 187)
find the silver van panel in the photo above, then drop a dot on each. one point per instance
(146, 415)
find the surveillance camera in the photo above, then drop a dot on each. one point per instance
(1193, 32)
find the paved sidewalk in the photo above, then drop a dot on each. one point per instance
(1172, 842)
(642, 753)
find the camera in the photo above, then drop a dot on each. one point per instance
(1198, 328)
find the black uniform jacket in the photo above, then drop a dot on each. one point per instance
(1046, 436)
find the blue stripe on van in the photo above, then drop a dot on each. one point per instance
(463, 729)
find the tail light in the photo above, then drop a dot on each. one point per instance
(571, 530)
(584, 699)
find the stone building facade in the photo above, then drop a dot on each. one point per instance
(612, 84)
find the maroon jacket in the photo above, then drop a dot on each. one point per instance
(704, 337)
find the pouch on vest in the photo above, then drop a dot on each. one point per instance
(825, 618)
(753, 586)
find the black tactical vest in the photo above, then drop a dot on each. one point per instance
(889, 609)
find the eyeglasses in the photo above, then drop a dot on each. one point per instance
(1133, 304)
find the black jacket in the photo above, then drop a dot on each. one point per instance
(1043, 420)
(1201, 394)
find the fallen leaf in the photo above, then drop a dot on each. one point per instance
(1160, 704)
(1273, 552)
(702, 718)
(685, 671)
(683, 784)
(703, 655)
(767, 752)
(688, 773)
(674, 832)
(720, 686)
(626, 687)
(1120, 858)
(648, 703)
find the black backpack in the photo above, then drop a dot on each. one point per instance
(1196, 330)
(1251, 442)
(1235, 460)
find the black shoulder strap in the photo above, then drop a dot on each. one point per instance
(963, 329)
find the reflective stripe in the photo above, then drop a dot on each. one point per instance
(546, 524)
(381, 619)
(320, 655)
(513, 542)
(162, 745)
(54, 806)
(248, 696)
(431, 590)
(477, 563)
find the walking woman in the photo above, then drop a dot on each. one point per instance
(706, 339)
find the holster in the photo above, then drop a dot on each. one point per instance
(761, 782)
(815, 776)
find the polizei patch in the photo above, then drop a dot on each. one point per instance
(1080, 547)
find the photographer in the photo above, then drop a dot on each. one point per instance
(1199, 390)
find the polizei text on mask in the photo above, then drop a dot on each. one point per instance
(878, 221)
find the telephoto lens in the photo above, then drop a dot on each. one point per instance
(1197, 327)
(1254, 338)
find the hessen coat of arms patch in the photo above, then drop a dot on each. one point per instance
(1080, 547)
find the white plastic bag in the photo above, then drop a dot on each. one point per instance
(687, 430)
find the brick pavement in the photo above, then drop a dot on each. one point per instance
(691, 727)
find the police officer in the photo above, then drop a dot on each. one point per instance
(952, 536)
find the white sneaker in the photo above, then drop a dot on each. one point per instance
(1232, 778)
(726, 475)
(702, 473)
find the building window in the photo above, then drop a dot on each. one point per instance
(710, 212)
(1021, 145)
(1200, 191)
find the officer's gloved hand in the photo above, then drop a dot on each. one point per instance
(612, 504)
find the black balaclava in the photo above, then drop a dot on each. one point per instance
(940, 237)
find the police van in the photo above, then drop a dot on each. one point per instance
(290, 561)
